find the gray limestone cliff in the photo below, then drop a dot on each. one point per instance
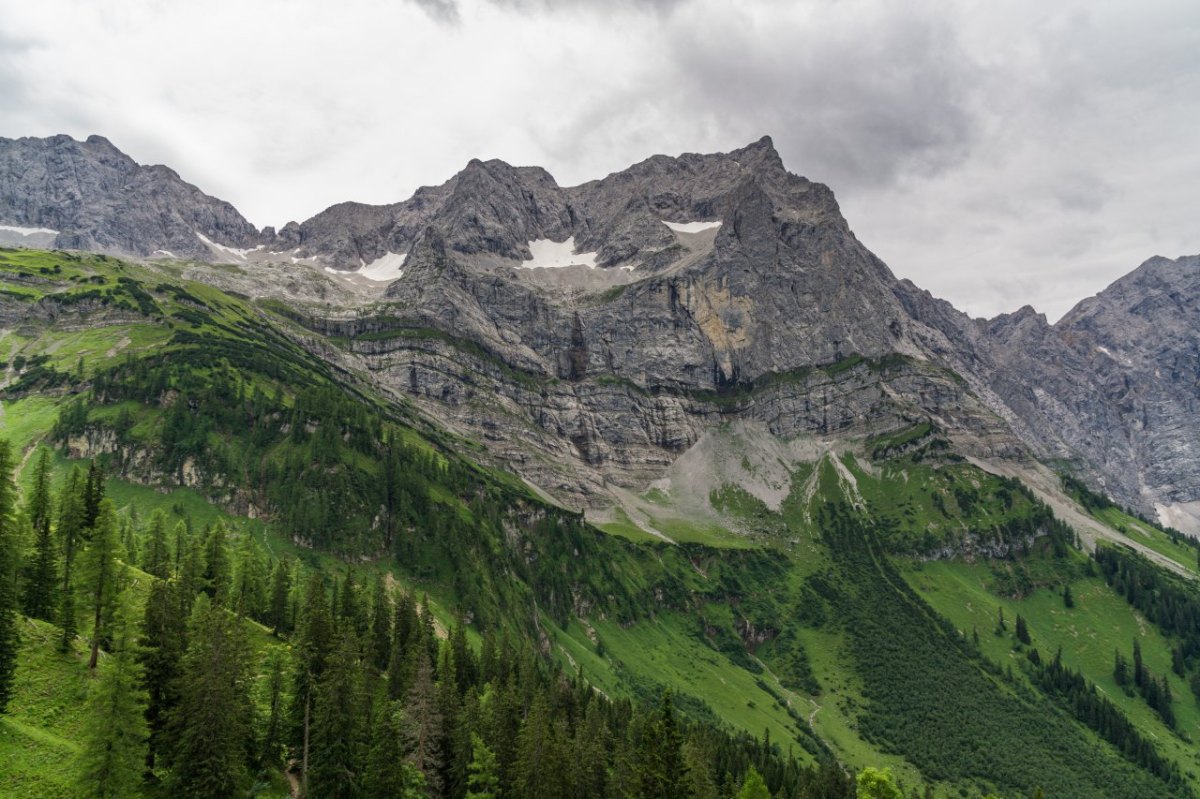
(94, 197)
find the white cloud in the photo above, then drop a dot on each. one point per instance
(996, 154)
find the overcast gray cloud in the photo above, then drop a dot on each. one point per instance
(997, 154)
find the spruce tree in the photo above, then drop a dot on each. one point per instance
(661, 769)
(157, 555)
(41, 589)
(277, 603)
(93, 494)
(250, 578)
(337, 724)
(389, 775)
(311, 649)
(379, 645)
(217, 567)
(1120, 669)
(98, 574)
(164, 638)
(1022, 631)
(40, 502)
(1139, 668)
(589, 753)
(1068, 597)
(114, 748)
(9, 637)
(72, 514)
(541, 757)
(423, 727)
(271, 751)
(211, 725)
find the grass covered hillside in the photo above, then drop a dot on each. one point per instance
(293, 583)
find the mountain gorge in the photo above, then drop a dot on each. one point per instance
(676, 428)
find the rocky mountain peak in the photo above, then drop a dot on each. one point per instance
(94, 197)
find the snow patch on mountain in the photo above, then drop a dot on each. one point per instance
(549, 254)
(691, 227)
(386, 267)
(221, 248)
(28, 231)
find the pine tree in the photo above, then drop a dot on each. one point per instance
(211, 725)
(41, 588)
(483, 780)
(98, 572)
(9, 637)
(337, 724)
(753, 787)
(1139, 668)
(1068, 597)
(114, 747)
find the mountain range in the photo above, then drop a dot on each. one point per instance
(592, 335)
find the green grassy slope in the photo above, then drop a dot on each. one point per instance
(791, 622)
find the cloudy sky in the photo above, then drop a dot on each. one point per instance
(996, 153)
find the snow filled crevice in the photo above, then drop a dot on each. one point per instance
(691, 227)
(549, 254)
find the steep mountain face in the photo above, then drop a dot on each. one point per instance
(1111, 388)
(90, 196)
(707, 278)
(590, 335)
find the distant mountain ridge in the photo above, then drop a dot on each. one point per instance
(604, 373)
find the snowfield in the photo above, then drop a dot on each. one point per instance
(691, 227)
(549, 254)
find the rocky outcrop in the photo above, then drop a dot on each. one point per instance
(94, 197)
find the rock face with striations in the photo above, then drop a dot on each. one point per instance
(94, 197)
